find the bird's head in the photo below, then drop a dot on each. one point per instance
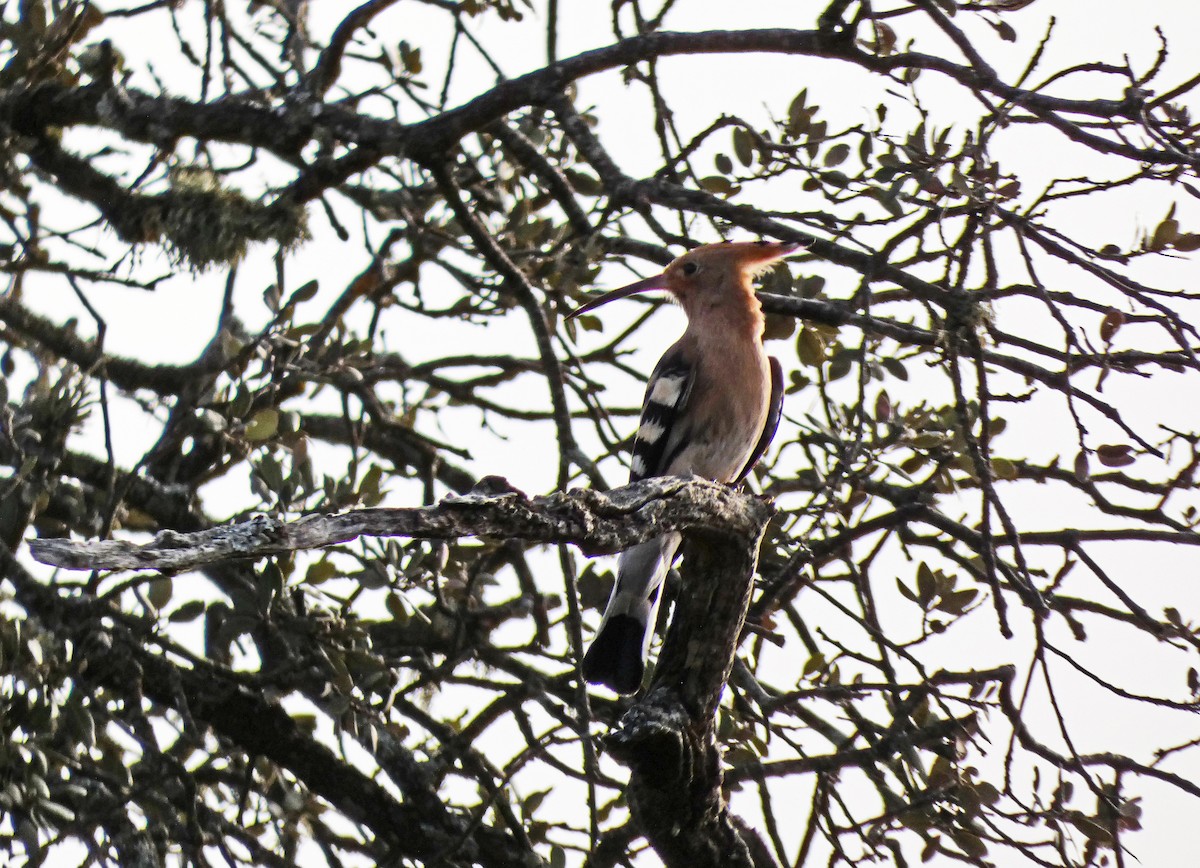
(708, 278)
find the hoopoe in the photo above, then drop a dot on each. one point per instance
(711, 408)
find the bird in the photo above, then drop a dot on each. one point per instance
(711, 408)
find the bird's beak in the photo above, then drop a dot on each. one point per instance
(648, 285)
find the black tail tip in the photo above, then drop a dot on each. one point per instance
(615, 658)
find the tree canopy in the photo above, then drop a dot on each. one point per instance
(286, 358)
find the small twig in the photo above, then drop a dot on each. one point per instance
(329, 65)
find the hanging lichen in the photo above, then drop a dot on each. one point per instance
(202, 224)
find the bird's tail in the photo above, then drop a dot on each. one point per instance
(617, 656)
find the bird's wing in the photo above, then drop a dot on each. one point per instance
(774, 411)
(661, 432)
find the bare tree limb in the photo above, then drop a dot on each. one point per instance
(597, 521)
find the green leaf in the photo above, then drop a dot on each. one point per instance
(778, 280)
(836, 179)
(888, 201)
(837, 154)
(970, 843)
(987, 793)
(533, 801)
(723, 163)
(589, 322)
(1115, 455)
(929, 440)
(290, 422)
(956, 602)
(270, 584)
(799, 115)
(241, 403)
(1186, 242)
(1002, 468)
(810, 347)
(271, 472)
(717, 184)
(396, 607)
(303, 294)
(926, 585)
(1165, 234)
(779, 327)
(865, 148)
(594, 588)
(368, 489)
(159, 593)
(189, 611)
(743, 146)
(1009, 189)
(263, 425)
(411, 57)
(586, 184)
(918, 819)
(55, 814)
(813, 286)
(942, 773)
(841, 364)
(322, 571)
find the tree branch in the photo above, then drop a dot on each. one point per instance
(147, 118)
(114, 657)
(598, 522)
(668, 739)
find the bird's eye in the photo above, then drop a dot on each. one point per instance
(690, 268)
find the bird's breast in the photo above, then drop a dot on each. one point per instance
(731, 398)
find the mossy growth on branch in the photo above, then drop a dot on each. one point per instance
(202, 224)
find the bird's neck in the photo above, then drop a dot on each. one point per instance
(729, 318)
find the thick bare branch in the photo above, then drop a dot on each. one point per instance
(596, 521)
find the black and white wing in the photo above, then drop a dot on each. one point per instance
(661, 432)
